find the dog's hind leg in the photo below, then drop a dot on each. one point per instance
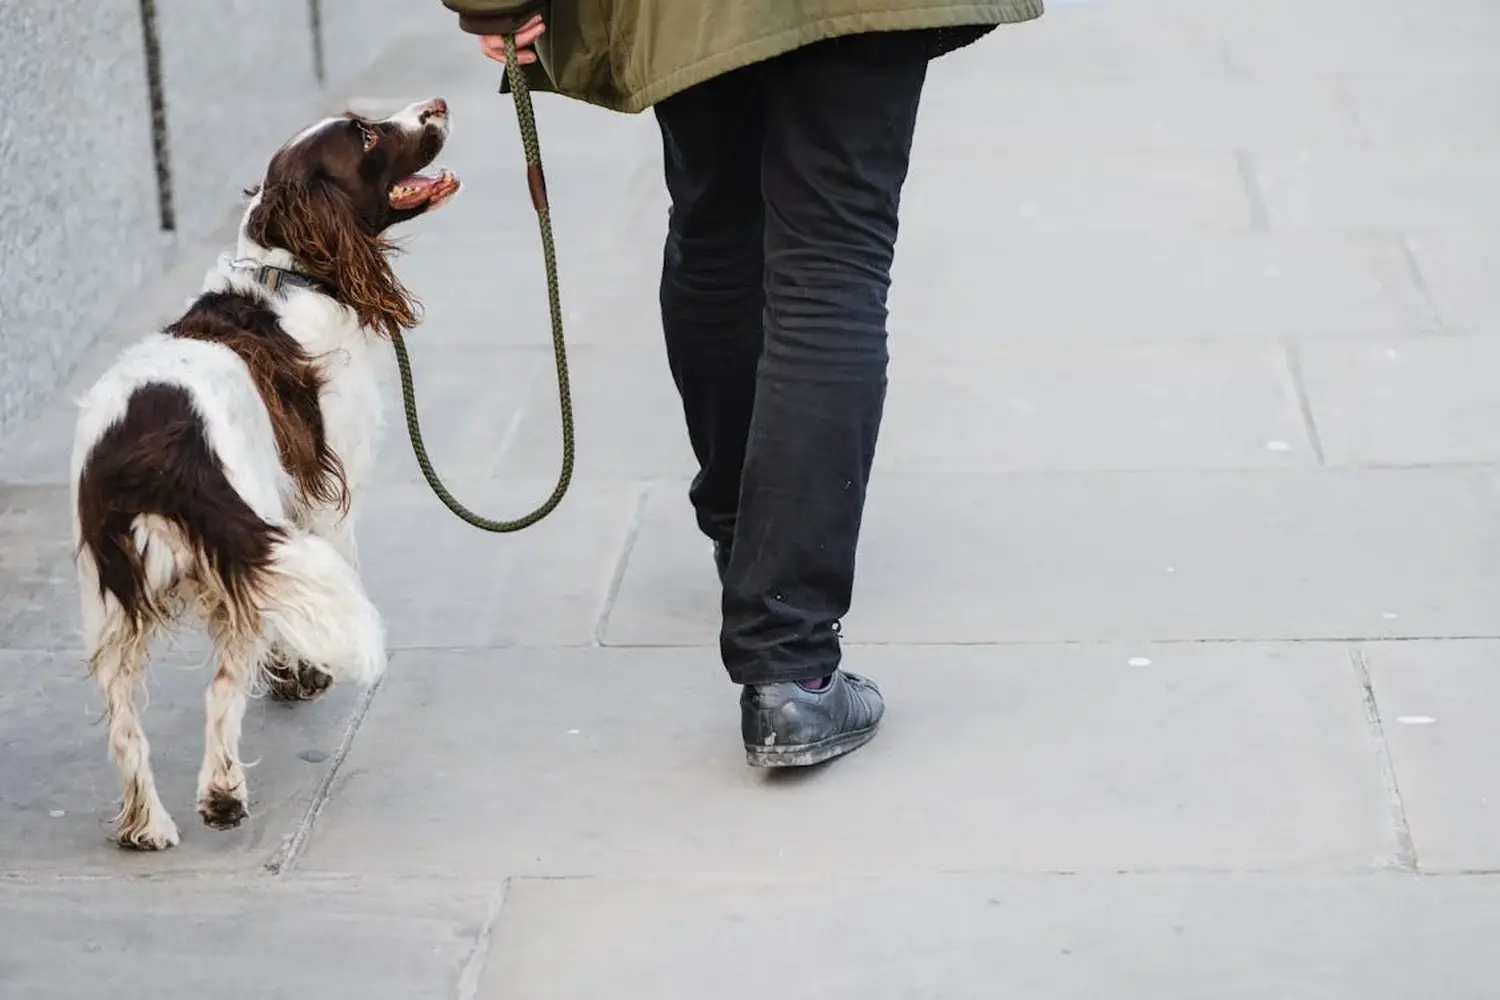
(117, 649)
(223, 797)
(307, 601)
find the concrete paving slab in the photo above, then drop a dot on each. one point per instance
(1098, 115)
(1379, 191)
(1293, 554)
(138, 940)
(1438, 702)
(1041, 191)
(629, 761)
(365, 33)
(440, 582)
(598, 311)
(59, 792)
(1337, 36)
(1064, 557)
(1030, 407)
(38, 583)
(668, 594)
(1458, 270)
(1092, 39)
(1406, 400)
(434, 57)
(1179, 937)
(980, 289)
(40, 451)
(496, 293)
(627, 418)
(469, 401)
(1452, 110)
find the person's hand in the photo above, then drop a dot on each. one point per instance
(494, 45)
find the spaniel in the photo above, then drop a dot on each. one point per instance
(217, 465)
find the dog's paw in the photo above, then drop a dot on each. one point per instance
(299, 682)
(157, 833)
(222, 810)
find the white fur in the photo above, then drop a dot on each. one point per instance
(411, 117)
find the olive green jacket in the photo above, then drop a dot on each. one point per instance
(626, 55)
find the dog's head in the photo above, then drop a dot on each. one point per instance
(330, 194)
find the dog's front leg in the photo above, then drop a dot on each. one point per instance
(287, 677)
(337, 529)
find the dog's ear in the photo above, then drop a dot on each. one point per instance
(317, 223)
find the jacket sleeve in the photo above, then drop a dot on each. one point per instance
(494, 17)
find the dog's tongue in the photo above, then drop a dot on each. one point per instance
(420, 188)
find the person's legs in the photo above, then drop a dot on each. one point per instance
(711, 285)
(785, 183)
(839, 127)
(840, 118)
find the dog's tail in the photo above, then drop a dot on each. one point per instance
(312, 601)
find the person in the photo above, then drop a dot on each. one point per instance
(786, 131)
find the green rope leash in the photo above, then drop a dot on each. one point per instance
(537, 182)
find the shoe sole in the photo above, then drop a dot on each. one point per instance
(809, 754)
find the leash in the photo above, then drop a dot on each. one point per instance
(536, 181)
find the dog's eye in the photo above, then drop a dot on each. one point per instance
(368, 134)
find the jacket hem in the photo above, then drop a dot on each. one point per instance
(762, 49)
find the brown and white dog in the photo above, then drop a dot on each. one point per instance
(219, 463)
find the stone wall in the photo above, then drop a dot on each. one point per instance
(81, 224)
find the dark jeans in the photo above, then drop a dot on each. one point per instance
(785, 180)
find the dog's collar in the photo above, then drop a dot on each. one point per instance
(273, 278)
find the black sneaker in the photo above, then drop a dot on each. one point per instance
(793, 725)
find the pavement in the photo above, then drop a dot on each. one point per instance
(1181, 575)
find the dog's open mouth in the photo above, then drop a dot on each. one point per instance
(420, 189)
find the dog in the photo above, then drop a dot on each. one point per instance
(218, 464)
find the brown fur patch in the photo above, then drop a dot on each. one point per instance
(318, 224)
(326, 201)
(156, 460)
(288, 382)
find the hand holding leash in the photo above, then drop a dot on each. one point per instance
(525, 36)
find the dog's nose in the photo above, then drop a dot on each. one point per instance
(435, 108)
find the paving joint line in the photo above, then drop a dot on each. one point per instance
(617, 579)
(1025, 643)
(1414, 271)
(1230, 65)
(478, 959)
(1406, 848)
(282, 863)
(1260, 215)
(707, 642)
(324, 881)
(1351, 108)
(1304, 401)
